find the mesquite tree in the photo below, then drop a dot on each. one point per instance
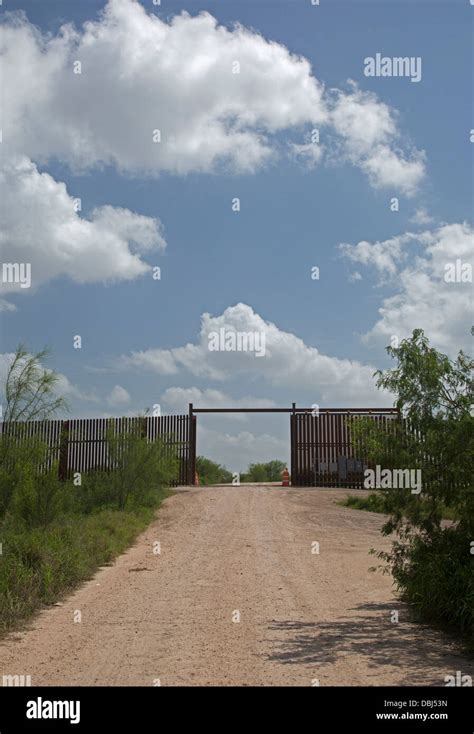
(432, 561)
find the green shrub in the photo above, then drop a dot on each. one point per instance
(373, 502)
(39, 501)
(95, 492)
(141, 467)
(210, 472)
(438, 580)
(29, 485)
(431, 561)
(269, 472)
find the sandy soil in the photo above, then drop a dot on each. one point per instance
(243, 552)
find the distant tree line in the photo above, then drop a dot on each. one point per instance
(210, 472)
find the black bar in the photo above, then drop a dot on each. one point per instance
(346, 708)
(351, 411)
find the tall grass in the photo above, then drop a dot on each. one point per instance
(54, 535)
(40, 565)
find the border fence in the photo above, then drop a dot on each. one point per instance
(80, 444)
(323, 452)
(322, 447)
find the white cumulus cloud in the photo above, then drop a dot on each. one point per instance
(177, 399)
(140, 74)
(183, 94)
(118, 396)
(428, 273)
(42, 227)
(371, 140)
(288, 362)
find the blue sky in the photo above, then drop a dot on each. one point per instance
(294, 214)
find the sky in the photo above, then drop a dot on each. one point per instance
(173, 173)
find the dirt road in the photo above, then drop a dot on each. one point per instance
(238, 594)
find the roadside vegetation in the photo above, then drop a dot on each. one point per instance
(432, 562)
(269, 472)
(210, 472)
(53, 534)
(376, 502)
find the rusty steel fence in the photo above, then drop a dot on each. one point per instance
(81, 444)
(323, 452)
(322, 449)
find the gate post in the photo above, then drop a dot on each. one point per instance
(293, 445)
(191, 445)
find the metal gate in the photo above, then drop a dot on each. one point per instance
(322, 450)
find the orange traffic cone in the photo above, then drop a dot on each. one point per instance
(285, 477)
